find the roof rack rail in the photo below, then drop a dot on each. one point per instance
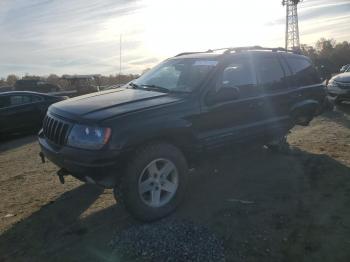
(228, 50)
(250, 48)
(190, 53)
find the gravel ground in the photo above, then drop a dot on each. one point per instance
(168, 240)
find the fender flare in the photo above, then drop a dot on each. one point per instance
(307, 108)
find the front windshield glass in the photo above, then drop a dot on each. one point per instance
(181, 75)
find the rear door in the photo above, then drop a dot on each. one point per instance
(274, 84)
(306, 80)
(22, 111)
(5, 119)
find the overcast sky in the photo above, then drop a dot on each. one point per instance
(82, 36)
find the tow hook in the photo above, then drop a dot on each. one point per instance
(61, 173)
(42, 156)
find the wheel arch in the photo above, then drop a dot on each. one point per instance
(302, 112)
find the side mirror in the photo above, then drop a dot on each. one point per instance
(224, 94)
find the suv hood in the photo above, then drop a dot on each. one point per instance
(107, 104)
(343, 77)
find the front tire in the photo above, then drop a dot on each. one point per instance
(154, 182)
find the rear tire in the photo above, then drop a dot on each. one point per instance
(338, 102)
(279, 145)
(154, 182)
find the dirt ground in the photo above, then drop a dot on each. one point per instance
(264, 206)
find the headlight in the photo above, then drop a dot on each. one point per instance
(332, 83)
(89, 137)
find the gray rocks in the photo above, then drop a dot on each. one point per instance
(167, 240)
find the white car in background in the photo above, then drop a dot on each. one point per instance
(339, 87)
(344, 68)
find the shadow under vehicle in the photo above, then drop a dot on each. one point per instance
(142, 139)
(23, 110)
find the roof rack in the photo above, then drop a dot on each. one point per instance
(228, 50)
(259, 48)
(190, 53)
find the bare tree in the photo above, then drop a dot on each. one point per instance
(11, 79)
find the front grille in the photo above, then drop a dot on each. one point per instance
(55, 130)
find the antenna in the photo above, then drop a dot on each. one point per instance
(120, 58)
(292, 27)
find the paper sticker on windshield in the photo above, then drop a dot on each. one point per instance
(205, 63)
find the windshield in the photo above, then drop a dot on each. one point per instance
(177, 75)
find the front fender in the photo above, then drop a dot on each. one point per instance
(179, 132)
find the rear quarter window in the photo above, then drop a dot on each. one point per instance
(4, 101)
(304, 72)
(16, 100)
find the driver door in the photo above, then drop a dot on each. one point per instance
(231, 119)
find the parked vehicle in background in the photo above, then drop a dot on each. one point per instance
(338, 87)
(35, 85)
(141, 139)
(83, 84)
(6, 89)
(23, 111)
(344, 68)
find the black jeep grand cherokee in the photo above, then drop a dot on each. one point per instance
(139, 139)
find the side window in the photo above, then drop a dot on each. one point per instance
(289, 77)
(4, 101)
(305, 73)
(240, 74)
(270, 73)
(36, 98)
(19, 100)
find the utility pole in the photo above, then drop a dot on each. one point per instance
(292, 40)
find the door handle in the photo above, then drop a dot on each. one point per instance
(296, 95)
(257, 104)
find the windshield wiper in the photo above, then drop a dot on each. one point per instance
(156, 88)
(133, 85)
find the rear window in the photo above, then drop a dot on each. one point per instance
(305, 73)
(270, 73)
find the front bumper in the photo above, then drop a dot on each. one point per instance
(100, 167)
(338, 94)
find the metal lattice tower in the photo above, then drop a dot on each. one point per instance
(292, 27)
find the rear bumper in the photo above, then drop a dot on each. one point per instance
(100, 167)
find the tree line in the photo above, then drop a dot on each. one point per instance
(98, 80)
(328, 54)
